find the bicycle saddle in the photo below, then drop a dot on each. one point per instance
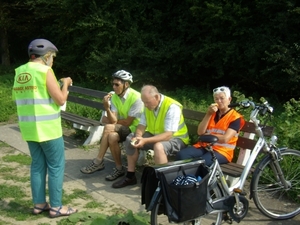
(211, 139)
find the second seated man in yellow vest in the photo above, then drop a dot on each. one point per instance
(123, 110)
(161, 128)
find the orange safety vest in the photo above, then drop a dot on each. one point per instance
(226, 149)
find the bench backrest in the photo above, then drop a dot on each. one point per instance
(93, 98)
(193, 118)
(87, 97)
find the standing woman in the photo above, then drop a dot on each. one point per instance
(38, 98)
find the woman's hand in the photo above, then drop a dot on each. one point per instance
(66, 81)
(212, 108)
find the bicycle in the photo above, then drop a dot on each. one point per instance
(274, 186)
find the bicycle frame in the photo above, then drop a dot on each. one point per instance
(237, 188)
(231, 199)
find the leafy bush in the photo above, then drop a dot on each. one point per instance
(8, 109)
(287, 125)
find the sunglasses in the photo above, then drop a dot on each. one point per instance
(116, 84)
(219, 89)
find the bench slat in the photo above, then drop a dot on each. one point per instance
(245, 143)
(193, 115)
(88, 92)
(234, 171)
(79, 119)
(192, 129)
(250, 128)
(86, 102)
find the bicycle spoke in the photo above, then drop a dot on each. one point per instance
(266, 188)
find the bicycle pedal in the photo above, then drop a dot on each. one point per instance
(239, 191)
(226, 218)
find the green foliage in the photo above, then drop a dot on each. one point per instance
(8, 109)
(94, 205)
(287, 125)
(83, 110)
(252, 44)
(192, 98)
(11, 191)
(20, 158)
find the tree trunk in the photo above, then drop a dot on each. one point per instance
(5, 61)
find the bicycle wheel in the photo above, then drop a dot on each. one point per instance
(210, 219)
(269, 195)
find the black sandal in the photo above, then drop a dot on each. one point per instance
(41, 210)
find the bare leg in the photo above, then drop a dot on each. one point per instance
(104, 140)
(113, 142)
(160, 156)
(132, 159)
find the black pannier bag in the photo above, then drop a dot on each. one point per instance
(180, 202)
(184, 202)
(149, 184)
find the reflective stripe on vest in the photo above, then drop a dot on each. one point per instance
(152, 120)
(34, 101)
(39, 116)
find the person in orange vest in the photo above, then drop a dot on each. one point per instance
(221, 121)
(38, 97)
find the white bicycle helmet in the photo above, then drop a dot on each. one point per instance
(40, 47)
(123, 75)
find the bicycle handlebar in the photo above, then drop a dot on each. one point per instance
(262, 108)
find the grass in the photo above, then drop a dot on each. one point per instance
(16, 201)
(20, 158)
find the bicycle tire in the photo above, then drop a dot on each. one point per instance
(269, 196)
(208, 219)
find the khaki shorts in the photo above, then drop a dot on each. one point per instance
(171, 147)
(123, 131)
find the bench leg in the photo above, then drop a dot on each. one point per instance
(95, 133)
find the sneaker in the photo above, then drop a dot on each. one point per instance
(93, 167)
(115, 174)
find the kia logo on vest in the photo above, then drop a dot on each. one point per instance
(23, 78)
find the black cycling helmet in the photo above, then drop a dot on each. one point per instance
(123, 75)
(40, 47)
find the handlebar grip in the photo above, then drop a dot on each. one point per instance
(264, 111)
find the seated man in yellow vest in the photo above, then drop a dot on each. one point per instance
(221, 121)
(161, 128)
(123, 110)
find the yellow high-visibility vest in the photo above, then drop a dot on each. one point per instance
(156, 125)
(38, 114)
(123, 108)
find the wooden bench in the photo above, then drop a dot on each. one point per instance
(92, 98)
(89, 98)
(245, 143)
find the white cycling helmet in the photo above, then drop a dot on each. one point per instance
(123, 75)
(40, 47)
